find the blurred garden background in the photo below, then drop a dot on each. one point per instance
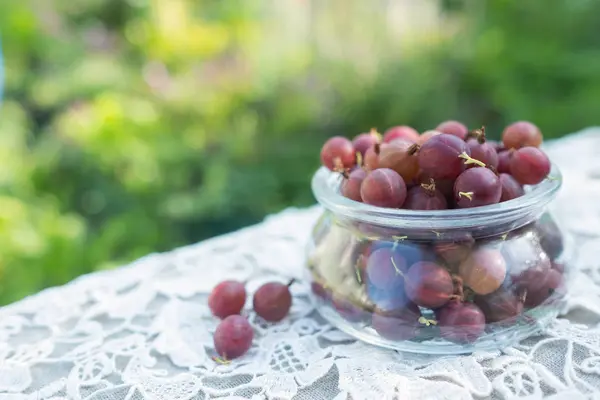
(134, 126)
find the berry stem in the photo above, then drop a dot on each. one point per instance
(468, 195)
(359, 260)
(413, 149)
(478, 134)
(339, 167)
(429, 187)
(291, 282)
(221, 360)
(470, 160)
(359, 159)
(338, 164)
(456, 297)
(523, 296)
(396, 267)
(397, 238)
(373, 132)
(458, 287)
(427, 322)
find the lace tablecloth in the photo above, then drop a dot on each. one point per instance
(144, 331)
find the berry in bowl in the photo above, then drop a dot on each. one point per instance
(438, 243)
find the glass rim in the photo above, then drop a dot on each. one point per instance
(325, 187)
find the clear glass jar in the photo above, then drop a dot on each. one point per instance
(438, 282)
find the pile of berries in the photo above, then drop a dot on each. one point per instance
(233, 336)
(449, 167)
(456, 283)
(455, 288)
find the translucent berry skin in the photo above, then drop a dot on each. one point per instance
(483, 271)
(428, 285)
(384, 279)
(521, 134)
(511, 189)
(400, 132)
(499, 305)
(335, 148)
(383, 188)
(425, 136)
(351, 185)
(387, 300)
(364, 142)
(272, 301)
(539, 286)
(529, 166)
(460, 322)
(504, 157)
(531, 278)
(551, 239)
(439, 156)
(418, 198)
(397, 156)
(482, 184)
(401, 324)
(227, 298)
(233, 337)
(455, 252)
(483, 152)
(453, 128)
(375, 245)
(385, 268)
(411, 253)
(522, 255)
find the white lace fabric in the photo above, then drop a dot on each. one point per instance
(144, 331)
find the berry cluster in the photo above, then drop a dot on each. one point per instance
(233, 336)
(449, 167)
(452, 287)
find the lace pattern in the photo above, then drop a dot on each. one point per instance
(145, 332)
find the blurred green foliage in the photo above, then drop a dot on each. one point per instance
(134, 126)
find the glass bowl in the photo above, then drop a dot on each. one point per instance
(438, 282)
